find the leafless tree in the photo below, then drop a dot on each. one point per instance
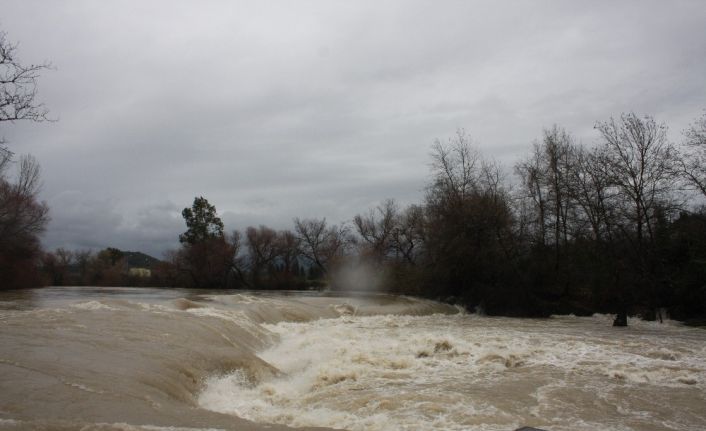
(640, 164)
(545, 177)
(533, 177)
(639, 161)
(456, 167)
(559, 150)
(591, 188)
(692, 163)
(263, 249)
(21, 214)
(408, 236)
(321, 244)
(288, 251)
(377, 229)
(18, 85)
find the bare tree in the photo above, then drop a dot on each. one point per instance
(408, 236)
(533, 176)
(263, 249)
(20, 212)
(21, 215)
(288, 251)
(456, 167)
(545, 177)
(18, 85)
(22, 219)
(467, 217)
(377, 229)
(640, 163)
(591, 188)
(692, 163)
(559, 149)
(321, 244)
(238, 264)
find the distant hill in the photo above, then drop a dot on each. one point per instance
(137, 259)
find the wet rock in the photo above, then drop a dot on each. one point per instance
(529, 429)
(621, 319)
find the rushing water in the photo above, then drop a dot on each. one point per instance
(175, 359)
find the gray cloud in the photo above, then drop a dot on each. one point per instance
(322, 108)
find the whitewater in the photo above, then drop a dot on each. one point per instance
(174, 359)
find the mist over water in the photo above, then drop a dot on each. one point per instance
(145, 358)
(359, 275)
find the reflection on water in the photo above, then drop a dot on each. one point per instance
(76, 357)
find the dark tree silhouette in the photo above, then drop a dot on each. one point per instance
(22, 216)
(692, 163)
(202, 222)
(207, 258)
(320, 243)
(18, 86)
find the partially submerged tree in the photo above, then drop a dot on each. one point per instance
(468, 223)
(640, 164)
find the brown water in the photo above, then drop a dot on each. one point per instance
(91, 358)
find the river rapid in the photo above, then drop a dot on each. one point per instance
(174, 359)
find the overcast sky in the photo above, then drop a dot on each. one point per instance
(273, 110)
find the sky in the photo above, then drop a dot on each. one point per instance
(281, 109)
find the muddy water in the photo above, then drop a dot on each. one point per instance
(173, 359)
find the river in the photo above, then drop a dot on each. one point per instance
(174, 359)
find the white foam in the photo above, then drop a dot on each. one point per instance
(92, 305)
(459, 372)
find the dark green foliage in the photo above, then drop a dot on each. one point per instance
(207, 258)
(202, 222)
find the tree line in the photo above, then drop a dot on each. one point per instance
(611, 227)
